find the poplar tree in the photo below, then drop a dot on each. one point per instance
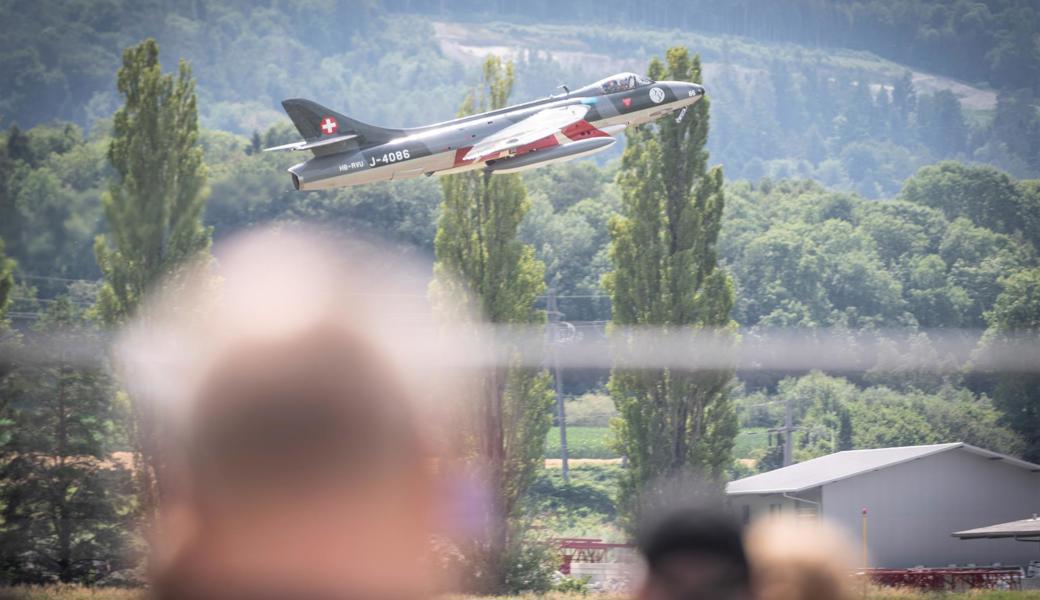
(153, 208)
(154, 203)
(478, 256)
(665, 274)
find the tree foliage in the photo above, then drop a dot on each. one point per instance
(665, 273)
(153, 208)
(983, 195)
(479, 257)
(154, 204)
(1016, 313)
(63, 495)
(834, 414)
(991, 40)
(803, 256)
(6, 282)
(798, 100)
(952, 248)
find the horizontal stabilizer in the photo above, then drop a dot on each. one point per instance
(314, 144)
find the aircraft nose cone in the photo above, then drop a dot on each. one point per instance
(683, 90)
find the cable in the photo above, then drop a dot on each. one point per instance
(52, 278)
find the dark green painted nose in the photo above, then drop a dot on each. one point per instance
(684, 90)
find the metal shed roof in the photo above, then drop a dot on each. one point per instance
(842, 465)
(1026, 528)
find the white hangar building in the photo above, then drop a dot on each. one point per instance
(916, 497)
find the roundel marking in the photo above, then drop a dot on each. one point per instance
(657, 95)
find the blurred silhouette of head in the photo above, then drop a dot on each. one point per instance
(808, 560)
(294, 393)
(693, 554)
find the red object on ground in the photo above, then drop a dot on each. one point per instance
(951, 579)
(587, 550)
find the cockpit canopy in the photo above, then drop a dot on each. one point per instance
(622, 82)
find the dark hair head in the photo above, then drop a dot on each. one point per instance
(694, 533)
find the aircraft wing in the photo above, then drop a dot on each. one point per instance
(315, 144)
(533, 128)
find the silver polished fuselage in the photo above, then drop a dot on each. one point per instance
(440, 148)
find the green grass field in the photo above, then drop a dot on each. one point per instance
(582, 508)
(582, 442)
(594, 442)
(750, 442)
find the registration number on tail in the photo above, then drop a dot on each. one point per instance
(389, 157)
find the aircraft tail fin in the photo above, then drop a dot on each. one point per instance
(315, 122)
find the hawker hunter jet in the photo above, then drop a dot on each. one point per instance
(554, 129)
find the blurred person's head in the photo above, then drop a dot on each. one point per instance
(693, 554)
(299, 447)
(800, 560)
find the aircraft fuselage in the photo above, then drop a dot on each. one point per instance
(442, 148)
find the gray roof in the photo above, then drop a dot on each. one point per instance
(841, 465)
(1029, 528)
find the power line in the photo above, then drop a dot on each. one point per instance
(760, 404)
(556, 339)
(560, 296)
(82, 279)
(403, 295)
(53, 278)
(50, 300)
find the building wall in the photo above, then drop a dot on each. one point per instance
(756, 506)
(914, 507)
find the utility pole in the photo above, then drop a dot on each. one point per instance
(788, 433)
(863, 539)
(555, 341)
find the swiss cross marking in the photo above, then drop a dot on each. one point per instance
(329, 125)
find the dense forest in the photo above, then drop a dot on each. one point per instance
(991, 41)
(861, 197)
(859, 109)
(935, 257)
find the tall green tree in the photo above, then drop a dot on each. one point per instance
(941, 123)
(479, 256)
(904, 103)
(6, 281)
(1017, 313)
(153, 205)
(63, 496)
(9, 342)
(665, 273)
